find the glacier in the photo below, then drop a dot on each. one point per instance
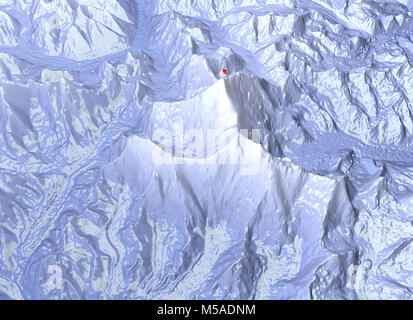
(113, 185)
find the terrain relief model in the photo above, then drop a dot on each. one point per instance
(206, 149)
